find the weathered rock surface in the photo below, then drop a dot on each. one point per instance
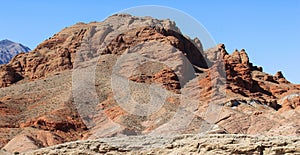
(64, 90)
(179, 144)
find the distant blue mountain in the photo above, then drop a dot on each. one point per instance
(9, 49)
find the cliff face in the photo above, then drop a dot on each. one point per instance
(72, 87)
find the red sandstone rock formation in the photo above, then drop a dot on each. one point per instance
(37, 106)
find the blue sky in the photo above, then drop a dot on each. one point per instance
(268, 30)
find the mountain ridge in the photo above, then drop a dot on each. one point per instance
(62, 91)
(9, 49)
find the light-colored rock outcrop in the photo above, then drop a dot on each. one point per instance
(180, 144)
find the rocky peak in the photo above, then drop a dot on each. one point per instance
(279, 75)
(237, 57)
(6, 42)
(38, 104)
(280, 78)
(118, 32)
(8, 49)
(247, 80)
